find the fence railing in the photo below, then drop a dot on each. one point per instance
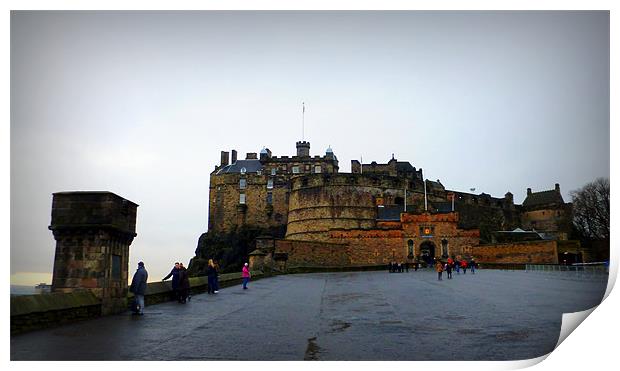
(570, 271)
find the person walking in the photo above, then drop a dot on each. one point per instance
(449, 269)
(416, 264)
(138, 288)
(174, 273)
(407, 267)
(439, 269)
(245, 275)
(211, 277)
(464, 265)
(183, 284)
(472, 266)
(457, 266)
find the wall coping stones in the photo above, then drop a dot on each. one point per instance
(26, 304)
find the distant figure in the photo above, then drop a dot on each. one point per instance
(217, 276)
(212, 278)
(416, 264)
(390, 267)
(439, 269)
(464, 265)
(183, 284)
(407, 267)
(138, 287)
(449, 269)
(174, 273)
(457, 266)
(472, 266)
(245, 275)
(400, 267)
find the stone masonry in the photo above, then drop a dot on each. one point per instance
(93, 231)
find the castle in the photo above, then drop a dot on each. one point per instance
(377, 213)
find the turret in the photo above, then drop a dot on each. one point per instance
(303, 149)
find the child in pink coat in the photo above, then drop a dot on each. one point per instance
(245, 275)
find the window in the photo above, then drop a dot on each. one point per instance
(269, 183)
(317, 168)
(243, 170)
(259, 172)
(295, 169)
(410, 249)
(308, 168)
(242, 183)
(242, 198)
(116, 267)
(269, 198)
(273, 171)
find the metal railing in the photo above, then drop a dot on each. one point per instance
(582, 271)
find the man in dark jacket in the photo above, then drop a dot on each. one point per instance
(174, 273)
(183, 284)
(138, 287)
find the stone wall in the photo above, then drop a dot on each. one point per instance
(372, 247)
(32, 312)
(226, 212)
(531, 252)
(311, 253)
(93, 232)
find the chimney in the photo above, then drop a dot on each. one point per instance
(356, 167)
(509, 198)
(303, 149)
(233, 158)
(529, 191)
(557, 187)
(224, 158)
(250, 156)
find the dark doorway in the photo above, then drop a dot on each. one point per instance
(427, 252)
(568, 258)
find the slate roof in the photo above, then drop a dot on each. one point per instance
(403, 166)
(251, 166)
(543, 198)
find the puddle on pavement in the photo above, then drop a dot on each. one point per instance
(312, 350)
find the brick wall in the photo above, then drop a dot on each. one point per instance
(531, 252)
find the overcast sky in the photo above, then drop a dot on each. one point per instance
(141, 104)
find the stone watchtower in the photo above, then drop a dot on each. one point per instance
(93, 231)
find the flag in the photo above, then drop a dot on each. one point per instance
(303, 107)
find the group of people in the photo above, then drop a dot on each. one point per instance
(180, 283)
(401, 267)
(454, 264)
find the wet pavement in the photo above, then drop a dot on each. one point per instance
(492, 315)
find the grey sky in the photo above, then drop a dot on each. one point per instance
(141, 104)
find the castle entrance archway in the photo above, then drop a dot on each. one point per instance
(427, 252)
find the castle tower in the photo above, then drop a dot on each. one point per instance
(93, 231)
(303, 149)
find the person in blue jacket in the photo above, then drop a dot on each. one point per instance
(138, 287)
(174, 273)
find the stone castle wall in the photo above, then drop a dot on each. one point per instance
(226, 212)
(531, 252)
(312, 253)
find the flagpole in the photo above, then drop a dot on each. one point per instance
(303, 113)
(405, 198)
(453, 195)
(425, 203)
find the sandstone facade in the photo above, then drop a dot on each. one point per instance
(378, 212)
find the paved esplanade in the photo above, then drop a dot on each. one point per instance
(495, 315)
